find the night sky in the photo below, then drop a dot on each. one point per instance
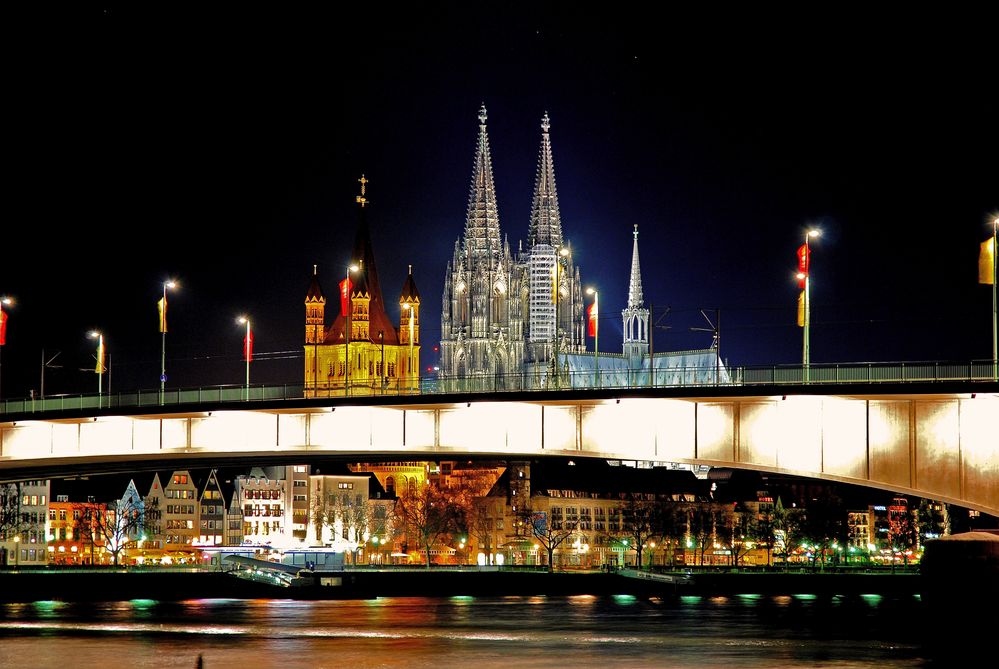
(146, 146)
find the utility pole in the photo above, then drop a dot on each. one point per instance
(715, 329)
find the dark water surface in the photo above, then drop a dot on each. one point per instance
(509, 632)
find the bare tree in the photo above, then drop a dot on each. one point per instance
(641, 520)
(11, 522)
(550, 533)
(427, 515)
(111, 525)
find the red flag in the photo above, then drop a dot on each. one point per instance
(592, 313)
(803, 253)
(345, 287)
(248, 346)
(3, 327)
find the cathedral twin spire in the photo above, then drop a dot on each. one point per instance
(482, 236)
(546, 223)
(482, 233)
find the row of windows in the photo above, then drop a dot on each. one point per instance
(33, 500)
(261, 494)
(180, 494)
(180, 508)
(262, 510)
(262, 529)
(180, 524)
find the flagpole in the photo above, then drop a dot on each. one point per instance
(247, 348)
(163, 329)
(3, 335)
(806, 353)
(596, 335)
(995, 280)
(346, 351)
(100, 365)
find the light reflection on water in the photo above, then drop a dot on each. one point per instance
(514, 632)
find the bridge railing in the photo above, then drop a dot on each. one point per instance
(622, 378)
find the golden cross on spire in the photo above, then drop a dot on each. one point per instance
(361, 200)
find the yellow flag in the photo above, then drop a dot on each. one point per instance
(162, 304)
(99, 368)
(801, 309)
(555, 282)
(987, 262)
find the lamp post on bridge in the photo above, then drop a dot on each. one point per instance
(347, 289)
(805, 307)
(163, 330)
(4, 301)
(247, 351)
(100, 365)
(594, 324)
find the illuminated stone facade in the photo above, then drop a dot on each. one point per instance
(383, 358)
(504, 315)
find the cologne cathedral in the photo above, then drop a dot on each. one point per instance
(515, 320)
(508, 319)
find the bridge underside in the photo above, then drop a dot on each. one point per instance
(941, 446)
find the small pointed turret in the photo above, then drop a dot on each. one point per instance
(546, 223)
(315, 310)
(635, 299)
(410, 293)
(635, 316)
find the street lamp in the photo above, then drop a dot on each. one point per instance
(595, 326)
(100, 364)
(348, 289)
(8, 301)
(17, 551)
(995, 280)
(806, 316)
(247, 352)
(163, 330)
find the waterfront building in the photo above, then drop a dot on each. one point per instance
(352, 514)
(180, 514)
(515, 320)
(383, 357)
(211, 512)
(584, 507)
(262, 499)
(859, 536)
(234, 521)
(297, 517)
(155, 505)
(24, 517)
(65, 546)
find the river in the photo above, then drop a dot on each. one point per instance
(508, 632)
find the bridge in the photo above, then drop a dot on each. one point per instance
(929, 438)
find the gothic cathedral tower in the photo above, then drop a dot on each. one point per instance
(505, 320)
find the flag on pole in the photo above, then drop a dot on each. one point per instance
(3, 327)
(248, 346)
(162, 304)
(801, 309)
(345, 287)
(803, 256)
(99, 368)
(593, 319)
(987, 262)
(555, 282)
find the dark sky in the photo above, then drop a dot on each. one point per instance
(225, 152)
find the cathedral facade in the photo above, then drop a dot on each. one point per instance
(362, 352)
(515, 320)
(510, 319)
